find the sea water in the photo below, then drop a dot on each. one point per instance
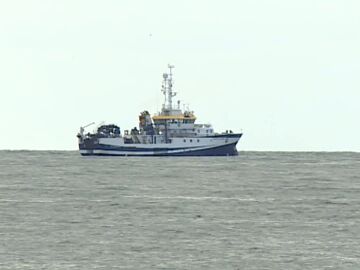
(259, 210)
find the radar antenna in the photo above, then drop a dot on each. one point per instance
(167, 88)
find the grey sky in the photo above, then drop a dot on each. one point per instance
(285, 72)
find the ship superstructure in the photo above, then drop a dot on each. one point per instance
(171, 132)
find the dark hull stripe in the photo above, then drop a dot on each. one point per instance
(227, 135)
(130, 149)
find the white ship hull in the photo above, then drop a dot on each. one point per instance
(217, 145)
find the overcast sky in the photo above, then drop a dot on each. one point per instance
(286, 73)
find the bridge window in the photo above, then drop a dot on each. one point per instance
(184, 140)
(190, 140)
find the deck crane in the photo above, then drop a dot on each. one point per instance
(82, 129)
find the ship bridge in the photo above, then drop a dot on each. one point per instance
(181, 118)
(175, 125)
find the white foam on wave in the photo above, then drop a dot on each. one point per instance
(30, 201)
(201, 198)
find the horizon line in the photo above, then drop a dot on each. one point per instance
(273, 151)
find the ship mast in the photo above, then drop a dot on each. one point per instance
(167, 89)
